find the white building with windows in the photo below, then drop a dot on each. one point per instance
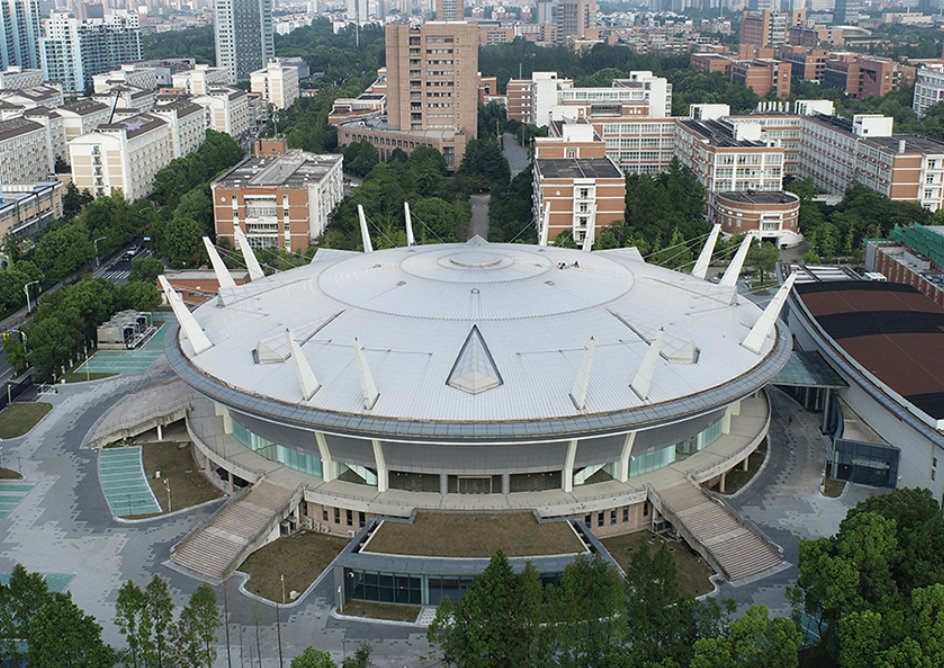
(227, 110)
(187, 125)
(123, 155)
(929, 88)
(200, 79)
(277, 83)
(25, 152)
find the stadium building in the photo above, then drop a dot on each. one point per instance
(485, 377)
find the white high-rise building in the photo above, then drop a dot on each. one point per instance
(21, 31)
(74, 50)
(277, 83)
(245, 41)
(357, 12)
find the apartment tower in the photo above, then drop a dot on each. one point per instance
(450, 10)
(574, 17)
(244, 36)
(431, 77)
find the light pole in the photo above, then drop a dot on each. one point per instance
(96, 250)
(29, 308)
(167, 485)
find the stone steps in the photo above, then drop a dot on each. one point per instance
(212, 551)
(739, 551)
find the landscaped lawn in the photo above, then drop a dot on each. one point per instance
(475, 535)
(188, 485)
(398, 613)
(81, 376)
(18, 418)
(301, 558)
(693, 573)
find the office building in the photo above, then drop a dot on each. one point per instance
(577, 188)
(836, 153)
(432, 91)
(770, 215)
(766, 28)
(545, 97)
(277, 83)
(73, 50)
(245, 40)
(280, 201)
(450, 10)
(846, 13)
(727, 157)
(860, 76)
(575, 18)
(125, 155)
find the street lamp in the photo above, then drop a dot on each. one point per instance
(29, 308)
(96, 250)
(167, 485)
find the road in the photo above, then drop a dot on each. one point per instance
(479, 223)
(516, 156)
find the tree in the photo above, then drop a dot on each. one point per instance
(140, 296)
(146, 270)
(313, 658)
(752, 640)
(360, 658)
(197, 628)
(62, 635)
(184, 242)
(134, 622)
(662, 624)
(887, 550)
(73, 201)
(160, 609)
(489, 626)
(63, 250)
(586, 613)
(763, 257)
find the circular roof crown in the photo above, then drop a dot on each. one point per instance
(479, 333)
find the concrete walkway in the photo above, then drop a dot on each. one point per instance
(784, 500)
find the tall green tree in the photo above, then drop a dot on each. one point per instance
(199, 622)
(662, 623)
(585, 613)
(62, 635)
(134, 622)
(752, 640)
(313, 658)
(489, 626)
(160, 608)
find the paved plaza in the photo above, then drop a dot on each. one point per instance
(61, 523)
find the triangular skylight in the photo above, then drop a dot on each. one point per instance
(474, 370)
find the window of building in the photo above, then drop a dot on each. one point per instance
(324, 513)
(361, 519)
(571, 153)
(613, 516)
(625, 513)
(337, 515)
(350, 518)
(645, 509)
(600, 519)
(587, 520)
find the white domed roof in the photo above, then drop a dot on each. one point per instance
(478, 332)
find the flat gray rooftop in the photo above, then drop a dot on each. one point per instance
(578, 168)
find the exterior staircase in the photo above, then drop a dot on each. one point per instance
(242, 525)
(715, 532)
